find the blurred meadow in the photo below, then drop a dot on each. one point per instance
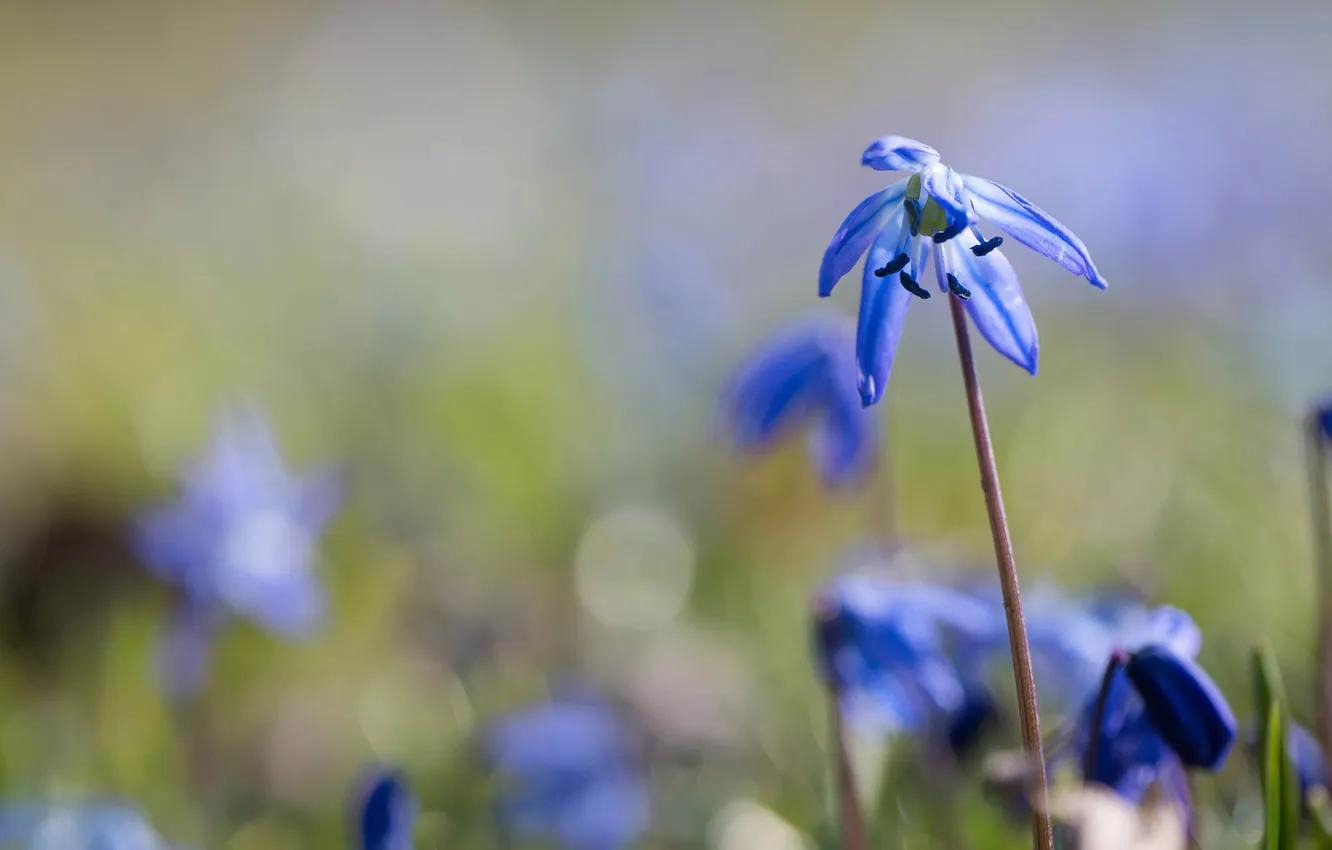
(494, 262)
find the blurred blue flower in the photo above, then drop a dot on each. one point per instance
(883, 647)
(1325, 418)
(805, 375)
(1184, 705)
(937, 209)
(240, 540)
(570, 774)
(84, 826)
(385, 811)
(1307, 755)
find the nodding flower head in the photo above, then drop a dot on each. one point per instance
(805, 375)
(936, 210)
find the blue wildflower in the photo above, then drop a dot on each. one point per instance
(883, 647)
(385, 811)
(937, 210)
(570, 775)
(805, 375)
(1307, 755)
(240, 540)
(1184, 705)
(93, 825)
(1324, 417)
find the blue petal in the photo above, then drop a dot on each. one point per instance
(967, 724)
(1173, 629)
(859, 229)
(1307, 755)
(883, 308)
(778, 386)
(385, 811)
(1031, 226)
(1184, 705)
(996, 304)
(898, 153)
(945, 186)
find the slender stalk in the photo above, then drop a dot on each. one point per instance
(844, 778)
(1089, 758)
(1316, 449)
(1003, 551)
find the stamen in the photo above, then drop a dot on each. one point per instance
(913, 217)
(949, 232)
(987, 246)
(909, 284)
(955, 287)
(895, 265)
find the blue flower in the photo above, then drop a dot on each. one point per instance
(101, 825)
(1131, 755)
(1184, 705)
(1324, 415)
(570, 774)
(937, 210)
(385, 811)
(241, 539)
(805, 375)
(1307, 755)
(883, 647)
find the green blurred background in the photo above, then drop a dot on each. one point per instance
(497, 258)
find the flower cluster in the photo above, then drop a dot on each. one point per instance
(918, 657)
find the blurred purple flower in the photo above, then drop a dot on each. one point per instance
(883, 646)
(1325, 418)
(240, 540)
(805, 375)
(82, 826)
(384, 810)
(937, 205)
(570, 774)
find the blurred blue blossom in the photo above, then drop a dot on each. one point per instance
(1325, 418)
(1307, 755)
(937, 210)
(805, 375)
(385, 811)
(570, 774)
(883, 646)
(85, 826)
(241, 539)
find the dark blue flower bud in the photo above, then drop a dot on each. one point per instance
(385, 811)
(1184, 705)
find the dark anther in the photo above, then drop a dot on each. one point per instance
(895, 265)
(913, 217)
(910, 285)
(949, 232)
(957, 288)
(987, 246)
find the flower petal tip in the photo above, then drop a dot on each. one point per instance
(898, 153)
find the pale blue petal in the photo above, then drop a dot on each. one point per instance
(898, 153)
(1031, 226)
(883, 307)
(996, 305)
(778, 386)
(859, 229)
(945, 186)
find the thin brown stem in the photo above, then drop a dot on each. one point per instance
(1008, 579)
(1316, 449)
(848, 798)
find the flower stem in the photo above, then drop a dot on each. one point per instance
(1003, 551)
(1316, 450)
(1089, 758)
(848, 799)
